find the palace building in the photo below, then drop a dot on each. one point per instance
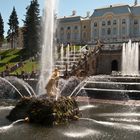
(111, 24)
(104, 31)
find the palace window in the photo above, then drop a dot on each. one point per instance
(62, 37)
(84, 27)
(75, 27)
(114, 22)
(75, 36)
(103, 23)
(123, 21)
(109, 22)
(95, 32)
(114, 31)
(123, 30)
(62, 29)
(68, 36)
(95, 24)
(108, 31)
(136, 31)
(84, 35)
(68, 28)
(103, 31)
(135, 21)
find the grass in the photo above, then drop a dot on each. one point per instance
(7, 57)
(13, 56)
(28, 67)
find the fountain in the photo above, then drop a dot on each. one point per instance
(67, 55)
(101, 119)
(62, 54)
(47, 48)
(130, 59)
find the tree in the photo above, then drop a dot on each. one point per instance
(12, 33)
(1, 30)
(31, 30)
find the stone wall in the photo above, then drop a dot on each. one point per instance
(105, 60)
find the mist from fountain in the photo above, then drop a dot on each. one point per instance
(5, 80)
(130, 59)
(48, 43)
(13, 81)
(79, 87)
(28, 88)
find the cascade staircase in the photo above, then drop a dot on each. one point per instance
(112, 87)
(76, 61)
(70, 62)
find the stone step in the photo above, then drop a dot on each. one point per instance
(113, 85)
(113, 94)
(64, 62)
(116, 79)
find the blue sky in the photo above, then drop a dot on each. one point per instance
(65, 7)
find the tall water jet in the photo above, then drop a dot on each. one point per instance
(68, 55)
(62, 54)
(130, 58)
(48, 43)
(74, 51)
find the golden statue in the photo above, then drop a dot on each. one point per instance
(51, 87)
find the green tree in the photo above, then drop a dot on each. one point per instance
(12, 33)
(1, 30)
(31, 30)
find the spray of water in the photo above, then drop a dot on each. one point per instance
(3, 79)
(5, 128)
(48, 43)
(27, 87)
(62, 54)
(130, 59)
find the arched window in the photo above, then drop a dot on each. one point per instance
(95, 32)
(61, 28)
(135, 21)
(84, 27)
(95, 24)
(114, 31)
(75, 27)
(68, 36)
(136, 31)
(68, 28)
(123, 21)
(114, 22)
(108, 31)
(62, 37)
(84, 35)
(109, 22)
(123, 30)
(103, 31)
(103, 23)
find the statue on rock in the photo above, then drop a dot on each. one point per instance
(51, 87)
